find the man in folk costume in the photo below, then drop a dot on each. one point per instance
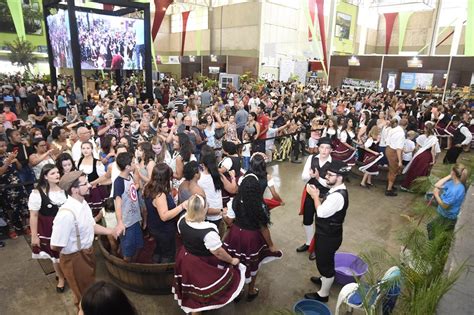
(461, 137)
(73, 233)
(330, 216)
(314, 173)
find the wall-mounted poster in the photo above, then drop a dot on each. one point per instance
(413, 81)
(343, 25)
(344, 32)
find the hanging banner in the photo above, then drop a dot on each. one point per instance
(160, 10)
(403, 18)
(389, 21)
(469, 37)
(322, 30)
(312, 13)
(391, 82)
(345, 27)
(185, 16)
(16, 10)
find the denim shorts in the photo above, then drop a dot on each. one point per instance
(132, 241)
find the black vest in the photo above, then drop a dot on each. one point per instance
(193, 239)
(92, 176)
(458, 136)
(322, 173)
(48, 209)
(332, 226)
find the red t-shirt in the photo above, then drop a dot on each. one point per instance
(11, 117)
(263, 121)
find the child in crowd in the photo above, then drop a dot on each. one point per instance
(127, 209)
(408, 147)
(246, 152)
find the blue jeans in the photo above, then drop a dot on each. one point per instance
(139, 56)
(246, 163)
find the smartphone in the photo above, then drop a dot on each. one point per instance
(16, 123)
(188, 128)
(16, 149)
(118, 123)
(127, 126)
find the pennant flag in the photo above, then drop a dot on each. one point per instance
(389, 21)
(16, 10)
(160, 10)
(403, 18)
(185, 16)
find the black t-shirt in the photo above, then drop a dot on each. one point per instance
(32, 100)
(23, 152)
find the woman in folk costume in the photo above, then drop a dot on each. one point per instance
(44, 203)
(371, 157)
(345, 146)
(206, 276)
(424, 158)
(249, 236)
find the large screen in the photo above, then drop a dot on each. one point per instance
(413, 81)
(110, 42)
(60, 39)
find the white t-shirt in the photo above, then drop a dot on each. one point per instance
(246, 150)
(213, 196)
(270, 144)
(57, 198)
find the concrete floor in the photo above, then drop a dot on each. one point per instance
(372, 219)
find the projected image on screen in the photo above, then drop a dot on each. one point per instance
(110, 42)
(60, 39)
(413, 81)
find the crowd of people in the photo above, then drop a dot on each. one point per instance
(110, 42)
(191, 161)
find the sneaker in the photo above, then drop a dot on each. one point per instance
(12, 235)
(302, 248)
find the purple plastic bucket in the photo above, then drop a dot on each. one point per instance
(348, 266)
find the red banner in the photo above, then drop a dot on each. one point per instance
(160, 10)
(185, 16)
(322, 30)
(389, 21)
(108, 7)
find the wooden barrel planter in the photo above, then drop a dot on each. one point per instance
(141, 278)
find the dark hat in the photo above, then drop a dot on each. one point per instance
(68, 179)
(325, 140)
(339, 167)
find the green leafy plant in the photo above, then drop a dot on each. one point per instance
(21, 54)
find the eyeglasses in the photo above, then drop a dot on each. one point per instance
(330, 175)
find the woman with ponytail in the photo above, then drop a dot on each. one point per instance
(449, 193)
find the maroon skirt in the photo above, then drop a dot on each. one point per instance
(203, 283)
(420, 166)
(369, 163)
(96, 199)
(44, 251)
(343, 153)
(250, 247)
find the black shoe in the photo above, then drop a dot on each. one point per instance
(391, 193)
(312, 256)
(316, 280)
(315, 296)
(60, 289)
(296, 161)
(251, 297)
(302, 248)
